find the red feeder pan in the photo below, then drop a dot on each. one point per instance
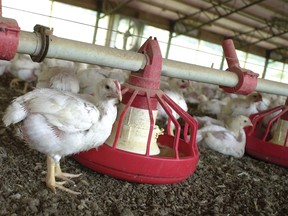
(137, 149)
(269, 142)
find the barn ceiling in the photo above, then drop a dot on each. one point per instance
(252, 24)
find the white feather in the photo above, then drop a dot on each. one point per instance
(229, 139)
(59, 123)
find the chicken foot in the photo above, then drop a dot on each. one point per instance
(15, 82)
(51, 174)
(65, 176)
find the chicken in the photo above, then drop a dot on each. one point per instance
(213, 106)
(60, 78)
(229, 139)
(59, 123)
(119, 74)
(4, 66)
(91, 75)
(59, 74)
(193, 92)
(173, 88)
(241, 106)
(88, 77)
(206, 120)
(196, 90)
(23, 69)
(53, 62)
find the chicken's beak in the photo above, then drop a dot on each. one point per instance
(259, 97)
(250, 124)
(120, 96)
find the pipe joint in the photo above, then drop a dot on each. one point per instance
(247, 81)
(44, 34)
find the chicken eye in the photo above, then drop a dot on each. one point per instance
(107, 87)
(245, 121)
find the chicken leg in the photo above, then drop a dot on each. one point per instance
(15, 82)
(50, 178)
(25, 89)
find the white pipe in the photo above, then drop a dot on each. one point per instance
(66, 49)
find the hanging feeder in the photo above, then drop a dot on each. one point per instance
(137, 149)
(265, 142)
(268, 142)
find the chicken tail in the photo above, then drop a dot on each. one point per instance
(14, 114)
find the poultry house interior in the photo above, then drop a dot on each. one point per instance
(189, 97)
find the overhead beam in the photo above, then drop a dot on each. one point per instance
(115, 8)
(88, 4)
(264, 33)
(217, 14)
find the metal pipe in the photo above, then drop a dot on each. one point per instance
(30, 43)
(66, 49)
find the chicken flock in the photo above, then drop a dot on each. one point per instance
(73, 107)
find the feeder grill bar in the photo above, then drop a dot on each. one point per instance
(30, 43)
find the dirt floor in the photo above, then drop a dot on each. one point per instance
(221, 185)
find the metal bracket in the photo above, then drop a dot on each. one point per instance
(45, 34)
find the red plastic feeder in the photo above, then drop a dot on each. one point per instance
(269, 142)
(9, 37)
(137, 149)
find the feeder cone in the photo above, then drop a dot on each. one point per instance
(134, 132)
(138, 110)
(280, 133)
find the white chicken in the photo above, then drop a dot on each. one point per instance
(229, 139)
(53, 62)
(193, 92)
(173, 88)
(60, 78)
(206, 120)
(198, 91)
(88, 77)
(59, 74)
(246, 105)
(4, 66)
(213, 106)
(59, 123)
(23, 69)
